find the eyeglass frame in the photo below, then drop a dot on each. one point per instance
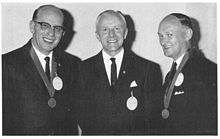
(60, 30)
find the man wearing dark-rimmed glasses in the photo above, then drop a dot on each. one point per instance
(38, 84)
(46, 26)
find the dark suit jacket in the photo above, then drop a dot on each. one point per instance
(25, 97)
(194, 111)
(105, 114)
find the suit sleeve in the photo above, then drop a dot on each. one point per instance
(6, 106)
(153, 98)
(4, 75)
(80, 98)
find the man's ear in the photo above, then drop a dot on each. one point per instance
(97, 36)
(63, 33)
(189, 34)
(126, 33)
(31, 26)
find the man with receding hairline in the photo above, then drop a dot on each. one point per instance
(190, 88)
(118, 87)
(38, 83)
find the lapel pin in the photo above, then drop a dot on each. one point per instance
(124, 72)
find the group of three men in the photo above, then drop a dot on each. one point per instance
(113, 93)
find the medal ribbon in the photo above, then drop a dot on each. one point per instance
(168, 94)
(37, 63)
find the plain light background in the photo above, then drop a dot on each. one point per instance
(146, 18)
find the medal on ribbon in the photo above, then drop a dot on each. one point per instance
(57, 83)
(179, 79)
(165, 113)
(52, 102)
(132, 102)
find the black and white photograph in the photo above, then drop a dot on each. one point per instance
(109, 68)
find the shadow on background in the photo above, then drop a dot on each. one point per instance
(69, 32)
(128, 43)
(196, 38)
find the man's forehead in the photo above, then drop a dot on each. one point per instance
(171, 20)
(111, 19)
(111, 15)
(50, 10)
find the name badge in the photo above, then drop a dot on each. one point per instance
(132, 102)
(179, 79)
(57, 83)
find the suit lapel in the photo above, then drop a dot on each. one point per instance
(59, 68)
(124, 73)
(29, 66)
(126, 69)
(100, 71)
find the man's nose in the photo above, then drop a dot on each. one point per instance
(112, 33)
(163, 41)
(51, 31)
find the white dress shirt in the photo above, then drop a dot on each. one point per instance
(42, 56)
(108, 62)
(178, 61)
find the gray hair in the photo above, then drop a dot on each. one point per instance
(111, 12)
(184, 19)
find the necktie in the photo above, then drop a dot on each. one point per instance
(113, 73)
(170, 76)
(173, 70)
(47, 67)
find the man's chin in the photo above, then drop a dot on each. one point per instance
(167, 54)
(49, 49)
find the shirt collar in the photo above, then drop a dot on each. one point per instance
(118, 57)
(108, 62)
(40, 55)
(178, 61)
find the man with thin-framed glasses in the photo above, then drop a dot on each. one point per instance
(39, 83)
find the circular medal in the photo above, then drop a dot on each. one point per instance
(132, 103)
(179, 79)
(57, 83)
(52, 102)
(165, 113)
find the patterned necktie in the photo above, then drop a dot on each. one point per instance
(47, 67)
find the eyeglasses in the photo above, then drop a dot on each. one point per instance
(46, 26)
